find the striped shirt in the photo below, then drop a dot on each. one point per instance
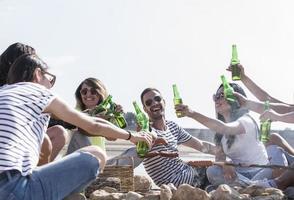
(22, 125)
(165, 170)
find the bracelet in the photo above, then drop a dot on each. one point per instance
(130, 135)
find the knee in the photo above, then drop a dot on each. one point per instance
(275, 139)
(98, 153)
(58, 134)
(213, 175)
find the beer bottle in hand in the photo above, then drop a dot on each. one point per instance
(177, 99)
(119, 118)
(143, 121)
(265, 126)
(236, 72)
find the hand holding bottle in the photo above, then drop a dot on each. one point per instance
(142, 136)
(269, 114)
(241, 68)
(183, 110)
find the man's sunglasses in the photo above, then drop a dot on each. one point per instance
(84, 91)
(149, 102)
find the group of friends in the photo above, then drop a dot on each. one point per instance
(28, 147)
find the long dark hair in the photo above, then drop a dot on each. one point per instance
(8, 57)
(236, 112)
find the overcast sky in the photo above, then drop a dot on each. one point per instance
(134, 44)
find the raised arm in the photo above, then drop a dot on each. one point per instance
(257, 91)
(232, 128)
(93, 126)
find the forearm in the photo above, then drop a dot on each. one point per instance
(278, 107)
(200, 145)
(220, 156)
(212, 124)
(287, 118)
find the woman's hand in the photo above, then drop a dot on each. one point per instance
(242, 72)
(184, 110)
(229, 173)
(269, 114)
(118, 108)
(142, 136)
(241, 99)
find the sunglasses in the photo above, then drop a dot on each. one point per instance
(149, 102)
(50, 77)
(218, 96)
(84, 91)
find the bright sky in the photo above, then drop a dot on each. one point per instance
(134, 44)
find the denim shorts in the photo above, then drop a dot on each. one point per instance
(53, 181)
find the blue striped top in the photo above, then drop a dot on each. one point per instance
(165, 170)
(22, 125)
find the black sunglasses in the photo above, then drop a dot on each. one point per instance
(93, 91)
(149, 102)
(51, 77)
(218, 96)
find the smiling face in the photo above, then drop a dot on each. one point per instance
(90, 96)
(154, 105)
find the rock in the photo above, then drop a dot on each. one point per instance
(225, 192)
(187, 192)
(254, 191)
(133, 196)
(151, 195)
(103, 195)
(165, 192)
(101, 183)
(142, 183)
(172, 187)
(109, 189)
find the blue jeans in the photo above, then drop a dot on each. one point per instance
(53, 181)
(277, 156)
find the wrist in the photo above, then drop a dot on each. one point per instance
(130, 135)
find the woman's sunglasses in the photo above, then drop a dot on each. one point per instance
(149, 102)
(50, 77)
(84, 91)
(218, 96)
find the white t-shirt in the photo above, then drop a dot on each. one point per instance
(246, 149)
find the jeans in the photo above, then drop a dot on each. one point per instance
(53, 181)
(277, 156)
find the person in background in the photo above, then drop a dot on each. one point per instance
(236, 139)
(56, 135)
(284, 181)
(89, 94)
(25, 109)
(280, 152)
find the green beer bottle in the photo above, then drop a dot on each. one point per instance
(103, 106)
(143, 122)
(120, 121)
(265, 126)
(177, 99)
(236, 72)
(228, 90)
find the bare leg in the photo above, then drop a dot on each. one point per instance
(46, 151)
(58, 136)
(276, 139)
(98, 153)
(286, 179)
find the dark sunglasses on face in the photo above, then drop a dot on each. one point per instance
(84, 91)
(50, 77)
(149, 102)
(218, 96)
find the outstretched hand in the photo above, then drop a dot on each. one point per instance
(242, 72)
(268, 114)
(142, 136)
(184, 110)
(241, 99)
